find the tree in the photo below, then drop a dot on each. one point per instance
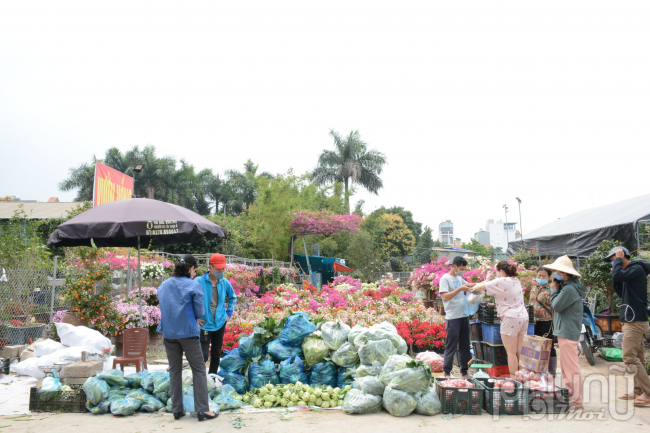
(476, 246)
(396, 240)
(362, 256)
(407, 217)
(423, 248)
(497, 250)
(350, 163)
(81, 178)
(439, 244)
(597, 274)
(20, 244)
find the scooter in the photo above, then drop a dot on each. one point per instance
(591, 336)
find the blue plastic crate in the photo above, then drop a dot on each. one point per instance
(531, 329)
(492, 333)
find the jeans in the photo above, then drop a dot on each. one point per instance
(216, 339)
(457, 340)
(192, 349)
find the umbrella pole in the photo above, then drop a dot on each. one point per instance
(139, 284)
(129, 273)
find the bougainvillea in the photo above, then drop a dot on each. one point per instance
(427, 276)
(324, 223)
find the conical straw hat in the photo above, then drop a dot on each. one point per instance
(563, 264)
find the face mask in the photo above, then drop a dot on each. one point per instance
(217, 275)
(557, 277)
(459, 273)
(542, 282)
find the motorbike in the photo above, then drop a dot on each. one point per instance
(591, 337)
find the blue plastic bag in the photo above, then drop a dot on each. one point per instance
(233, 361)
(345, 376)
(236, 380)
(134, 380)
(113, 377)
(96, 390)
(296, 329)
(324, 373)
(248, 349)
(279, 352)
(125, 406)
(292, 370)
(261, 373)
(148, 382)
(50, 388)
(188, 398)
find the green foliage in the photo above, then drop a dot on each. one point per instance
(423, 248)
(476, 246)
(407, 217)
(597, 274)
(527, 257)
(20, 243)
(397, 265)
(362, 256)
(396, 240)
(350, 163)
(439, 244)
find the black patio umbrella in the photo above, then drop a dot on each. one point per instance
(131, 222)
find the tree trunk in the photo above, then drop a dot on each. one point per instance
(347, 195)
(150, 191)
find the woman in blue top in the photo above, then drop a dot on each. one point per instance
(181, 304)
(213, 324)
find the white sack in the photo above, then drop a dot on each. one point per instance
(46, 347)
(81, 336)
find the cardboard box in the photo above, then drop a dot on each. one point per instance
(535, 353)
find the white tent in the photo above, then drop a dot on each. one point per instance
(579, 234)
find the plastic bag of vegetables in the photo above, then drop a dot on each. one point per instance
(369, 370)
(212, 407)
(50, 388)
(188, 398)
(354, 333)
(394, 363)
(292, 370)
(162, 396)
(125, 406)
(226, 401)
(134, 380)
(345, 355)
(414, 377)
(96, 390)
(296, 329)
(370, 385)
(151, 404)
(335, 334)
(233, 361)
(261, 373)
(358, 402)
(113, 377)
(324, 373)
(161, 384)
(187, 377)
(378, 351)
(99, 409)
(149, 381)
(398, 403)
(315, 349)
(140, 394)
(346, 376)
(279, 352)
(428, 402)
(248, 349)
(236, 380)
(376, 333)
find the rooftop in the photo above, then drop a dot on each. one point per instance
(37, 210)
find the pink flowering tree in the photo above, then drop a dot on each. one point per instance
(324, 223)
(427, 277)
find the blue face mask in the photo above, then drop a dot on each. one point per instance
(557, 277)
(542, 282)
(217, 275)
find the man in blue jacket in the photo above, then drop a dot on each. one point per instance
(216, 289)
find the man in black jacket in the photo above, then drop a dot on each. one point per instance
(631, 284)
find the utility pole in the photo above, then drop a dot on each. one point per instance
(521, 228)
(505, 206)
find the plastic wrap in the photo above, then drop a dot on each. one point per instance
(135, 380)
(149, 381)
(378, 351)
(125, 406)
(113, 377)
(248, 349)
(410, 379)
(233, 361)
(398, 403)
(236, 380)
(358, 402)
(394, 363)
(49, 389)
(151, 404)
(161, 384)
(376, 333)
(369, 370)
(345, 355)
(428, 402)
(354, 332)
(296, 329)
(292, 370)
(334, 334)
(99, 409)
(139, 394)
(96, 390)
(226, 402)
(314, 349)
(433, 359)
(261, 373)
(346, 376)
(279, 352)
(369, 385)
(324, 373)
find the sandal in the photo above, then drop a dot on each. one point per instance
(641, 402)
(631, 396)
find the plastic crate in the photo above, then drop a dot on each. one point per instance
(488, 314)
(477, 347)
(466, 401)
(66, 401)
(475, 331)
(531, 313)
(498, 371)
(499, 401)
(491, 334)
(548, 402)
(495, 354)
(531, 329)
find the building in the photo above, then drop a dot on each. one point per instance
(457, 243)
(446, 232)
(483, 237)
(501, 233)
(34, 210)
(450, 253)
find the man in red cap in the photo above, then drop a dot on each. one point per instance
(216, 289)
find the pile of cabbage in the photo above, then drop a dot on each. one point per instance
(298, 394)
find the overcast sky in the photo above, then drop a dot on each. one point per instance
(473, 103)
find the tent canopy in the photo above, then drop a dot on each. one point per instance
(579, 234)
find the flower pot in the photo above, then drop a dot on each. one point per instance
(428, 303)
(118, 340)
(3, 343)
(19, 335)
(42, 317)
(72, 317)
(155, 338)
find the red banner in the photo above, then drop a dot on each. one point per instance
(111, 185)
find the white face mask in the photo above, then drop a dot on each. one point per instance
(459, 273)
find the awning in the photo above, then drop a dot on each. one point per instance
(341, 268)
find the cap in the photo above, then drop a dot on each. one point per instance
(613, 251)
(190, 259)
(218, 260)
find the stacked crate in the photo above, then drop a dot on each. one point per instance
(485, 336)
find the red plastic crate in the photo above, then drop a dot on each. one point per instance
(498, 371)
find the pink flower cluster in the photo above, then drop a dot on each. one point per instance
(346, 279)
(118, 259)
(324, 223)
(58, 316)
(427, 276)
(131, 313)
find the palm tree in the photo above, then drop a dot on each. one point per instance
(81, 178)
(350, 162)
(244, 185)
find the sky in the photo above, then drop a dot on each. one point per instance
(473, 103)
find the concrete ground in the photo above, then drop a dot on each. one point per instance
(603, 411)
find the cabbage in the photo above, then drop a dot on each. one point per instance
(125, 406)
(279, 352)
(428, 403)
(358, 402)
(113, 377)
(151, 404)
(394, 363)
(334, 334)
(398, 403)
(345, 355)
(354, 333)
(96, 390)
(376, 333)
(315, 350)
(414, 377)
(161, 384)
(369, 385)
(369, 370)
(378, 350)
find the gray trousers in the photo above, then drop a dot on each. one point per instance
(194, 355)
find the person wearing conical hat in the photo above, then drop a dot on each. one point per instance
(566, 301)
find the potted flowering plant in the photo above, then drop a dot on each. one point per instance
(423, 336)
(425, 280)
